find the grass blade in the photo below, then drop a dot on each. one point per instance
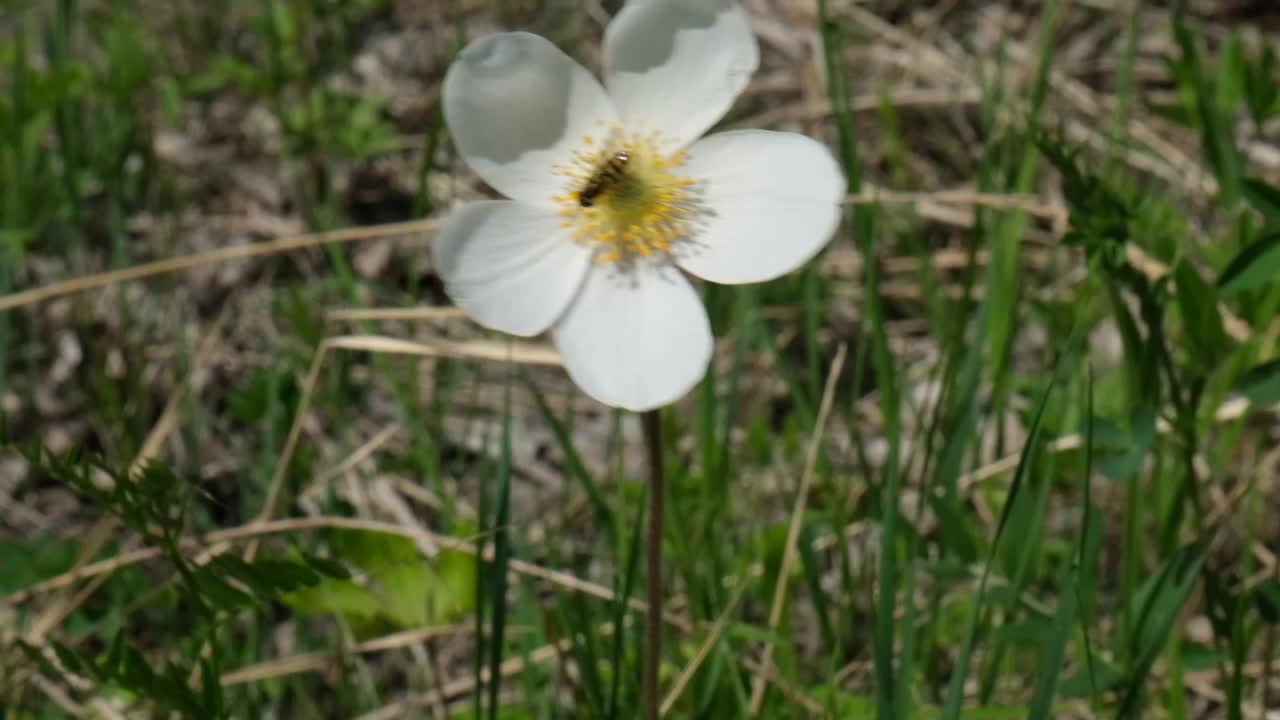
(955, 693)
(501, 554)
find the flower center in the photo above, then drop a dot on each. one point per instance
(625, 196)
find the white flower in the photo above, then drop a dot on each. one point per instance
(612, 194)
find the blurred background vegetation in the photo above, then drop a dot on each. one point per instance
(286, 480)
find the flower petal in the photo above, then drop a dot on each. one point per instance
(510, 266)
(675, 66)
(773, 200)
(516, 106)
(636, 340)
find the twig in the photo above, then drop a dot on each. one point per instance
(395, 313)
(311, 662)
(699, 657)
(526, 353)
(1029, 204)
(215, 542)
(213, 257)
(653, 555)
(793, 530)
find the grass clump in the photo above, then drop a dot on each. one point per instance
(246, 477)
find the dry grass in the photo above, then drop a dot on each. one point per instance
(146, 351)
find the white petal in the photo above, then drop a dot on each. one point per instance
(516, 106)
(511, 267)
(676, 66)
(636, 340)
(773, 201)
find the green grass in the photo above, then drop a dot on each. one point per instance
(1029, 500)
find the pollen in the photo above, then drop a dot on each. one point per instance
(625, 196)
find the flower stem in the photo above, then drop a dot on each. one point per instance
(653, 653)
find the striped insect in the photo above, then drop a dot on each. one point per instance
(606, 176)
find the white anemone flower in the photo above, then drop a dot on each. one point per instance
(613, 194)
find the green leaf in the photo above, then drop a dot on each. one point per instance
(402, 588)
(1128, 453)
(1261, 384)
(955, 691)
(326, 566)
(1255, 266)
(1104, 676)
(1217, 135)
(219, 592)
(232, 566)
(1231, 80)
(287, 575)
(267, 387)
(1267, 598)
(211, 695)
(1198, 303)
(1263, 197)
(109, 663)
(1261, 91)
(33, 559)
(67, 657)
(1161, 599)
(267, 577)
(133, 670)
(358, 604)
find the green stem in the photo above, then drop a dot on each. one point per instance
(653, 651)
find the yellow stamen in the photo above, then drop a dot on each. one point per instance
(625, 196)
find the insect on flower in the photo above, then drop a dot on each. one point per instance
(607, 176)
(614, 195)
